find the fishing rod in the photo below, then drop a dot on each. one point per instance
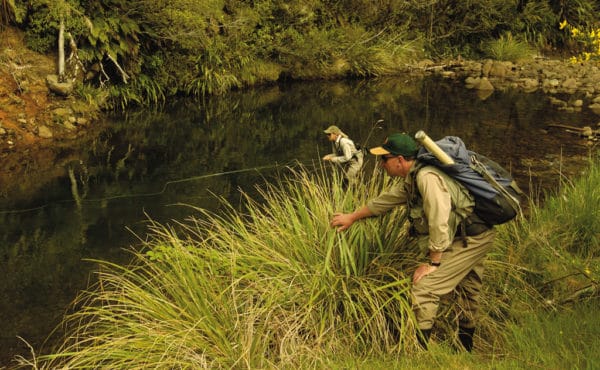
(375, 125)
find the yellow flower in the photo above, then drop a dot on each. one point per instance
(586, 56)
(562, 24)
(574, 32)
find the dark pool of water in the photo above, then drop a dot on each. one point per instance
(150, 162)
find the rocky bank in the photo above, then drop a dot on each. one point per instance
(568, 86)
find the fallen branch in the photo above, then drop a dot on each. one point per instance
(589, 290)
(585, 131)
(124, 74)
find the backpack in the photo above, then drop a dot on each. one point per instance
(497, 195)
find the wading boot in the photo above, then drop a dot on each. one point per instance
(423, 338)
(465, 336)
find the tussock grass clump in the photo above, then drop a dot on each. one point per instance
(574, 215)
(558, 245)
(270, 286)
(508, 48)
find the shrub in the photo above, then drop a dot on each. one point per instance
(587, 41)
(507, 48)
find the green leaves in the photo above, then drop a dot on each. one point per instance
(250, 42)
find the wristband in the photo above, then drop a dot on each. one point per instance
(435, 264)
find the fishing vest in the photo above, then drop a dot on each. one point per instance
(356, 153)
(462, 202)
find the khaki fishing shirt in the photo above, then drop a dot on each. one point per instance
(435, 209)
(345, 151)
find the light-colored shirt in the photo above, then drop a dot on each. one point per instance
(344, 150)
(436, 191)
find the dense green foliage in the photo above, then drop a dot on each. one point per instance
(143, 51)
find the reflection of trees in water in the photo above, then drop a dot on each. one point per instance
(42, 261)
(246, 129)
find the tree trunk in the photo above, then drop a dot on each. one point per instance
(61, 51)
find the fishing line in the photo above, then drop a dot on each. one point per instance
(194, 178)
(163, 190)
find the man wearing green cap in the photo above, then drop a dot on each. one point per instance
(438, 207)
(344, 154)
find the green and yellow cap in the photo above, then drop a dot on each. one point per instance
(397, 144)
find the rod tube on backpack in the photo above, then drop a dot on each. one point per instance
(426, 141)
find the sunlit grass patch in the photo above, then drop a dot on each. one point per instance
(556, 340)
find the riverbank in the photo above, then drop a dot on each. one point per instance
(297, 294)
(570, 87)
(38, 130)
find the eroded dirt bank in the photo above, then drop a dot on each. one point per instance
(38, 130)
